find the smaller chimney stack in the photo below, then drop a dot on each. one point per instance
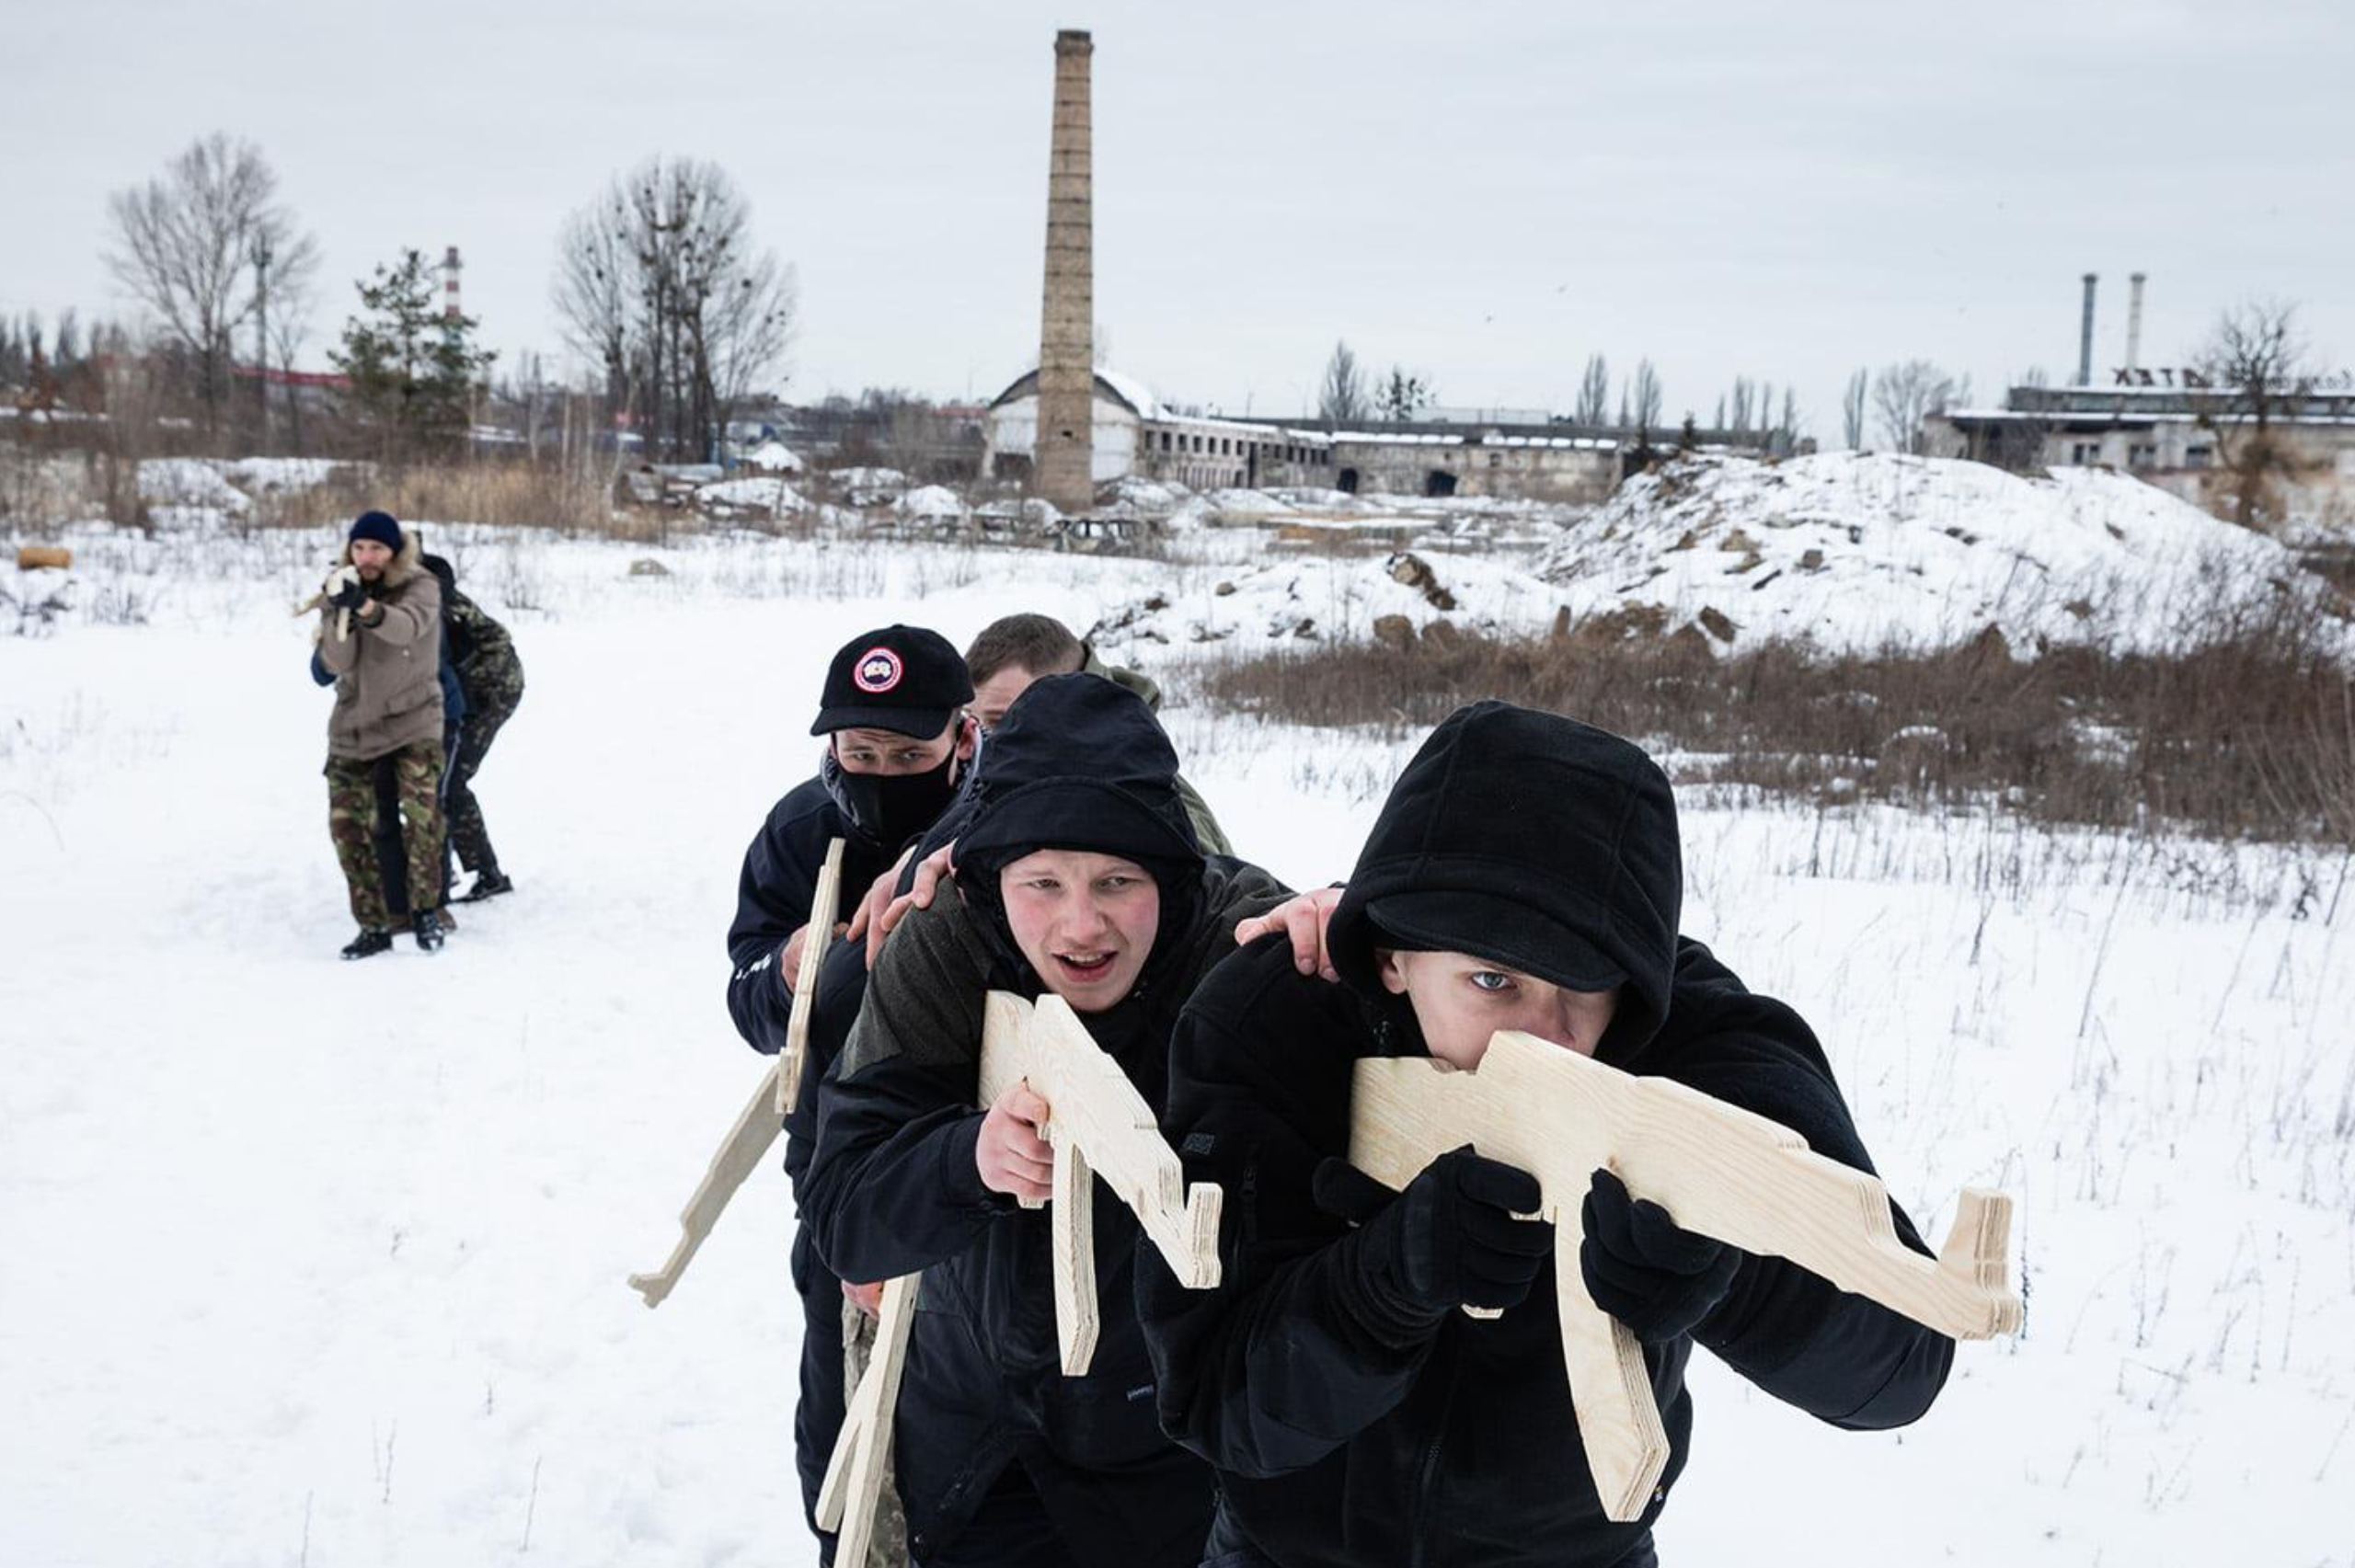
(2134, 322)
(450, 266)
(2085, 335)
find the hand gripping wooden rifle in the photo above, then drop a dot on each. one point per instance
(336, 579)
(1719, 1170)
(758, 1123)
(1098, 1125)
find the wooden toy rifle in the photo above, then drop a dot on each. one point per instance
(757, 1125)
(1719, 1170)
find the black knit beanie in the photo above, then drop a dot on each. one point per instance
(378, 526)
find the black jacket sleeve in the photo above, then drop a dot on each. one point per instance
(1846, 1359)
(1288, 1358)
(892, 1186)
(773, 893)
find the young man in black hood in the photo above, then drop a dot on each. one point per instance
(1077, 873)
(1524, 874)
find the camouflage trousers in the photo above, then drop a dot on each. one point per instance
(486, 711)
(351, 823)
(888, 1546)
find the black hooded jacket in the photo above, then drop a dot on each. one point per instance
(1336, 1440)
(894, 1188)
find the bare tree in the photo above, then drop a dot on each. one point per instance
(595, 284)
(1593, 406)
(1647, 395)
(183, 244)
(290, 327)
(660, 283)
(1341, 398)
(1903, 395)
(2254, 360)
(1851, 412)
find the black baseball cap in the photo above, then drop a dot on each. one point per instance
(907, 680)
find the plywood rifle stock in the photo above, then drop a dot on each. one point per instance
(757, 1125)
(1719, 1170)
(1098, 1125)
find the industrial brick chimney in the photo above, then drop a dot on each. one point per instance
(2085, 335)
(2134, 323)
(1063, 458)
(450, 266)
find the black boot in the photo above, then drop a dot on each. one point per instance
(489, 883)
(427, 926)
(368, 944)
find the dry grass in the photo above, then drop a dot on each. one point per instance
(2247, 734)
(564, 498)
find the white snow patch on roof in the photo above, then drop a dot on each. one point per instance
(1139, 395)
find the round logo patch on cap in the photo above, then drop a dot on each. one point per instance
(878, 671)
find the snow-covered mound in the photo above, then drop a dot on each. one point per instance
(269, 476)
(1136, 496)
(732, 497)
(1314, 497)
(181, 488)
(931, 501)
(1858, 550)
(1339, 598)
(773, 457)
(868, 487)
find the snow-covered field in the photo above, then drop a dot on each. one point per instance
(314, 1264)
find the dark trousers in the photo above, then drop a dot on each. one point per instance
(391, 850)
(818, 1415)
(1010, 1529)
(1228, 1547)
(476, 732)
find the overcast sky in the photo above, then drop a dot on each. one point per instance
(1483, 192)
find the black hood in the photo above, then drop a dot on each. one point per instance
(1080, 763)
(1533, 841)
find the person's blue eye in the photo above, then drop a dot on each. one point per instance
(1491, 980)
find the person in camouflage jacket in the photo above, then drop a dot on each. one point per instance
(491, 676)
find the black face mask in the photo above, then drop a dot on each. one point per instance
(893, 809)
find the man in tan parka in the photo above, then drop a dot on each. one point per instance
(380, 635)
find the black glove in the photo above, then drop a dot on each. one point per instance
(350, 596)
(1645, 1270)
(1450, 1240)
